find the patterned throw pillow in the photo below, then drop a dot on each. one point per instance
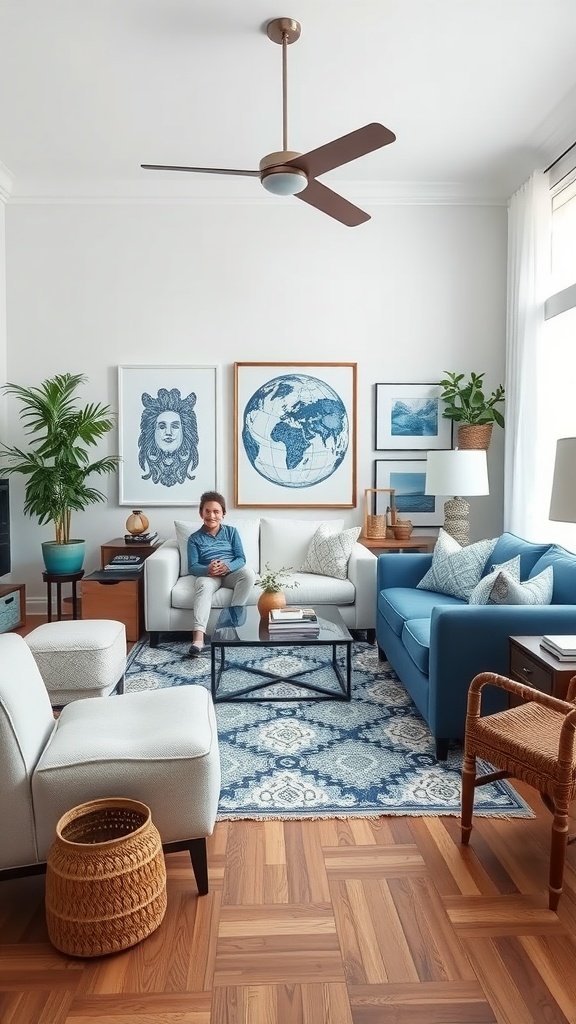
(456, 570)
(538, 590)
(483, 589)
(328, 553)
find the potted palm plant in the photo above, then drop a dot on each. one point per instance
(56, 465)
(474, 411)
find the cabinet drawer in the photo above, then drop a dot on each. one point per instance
(525, 670)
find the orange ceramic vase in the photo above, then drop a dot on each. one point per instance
(268, 600)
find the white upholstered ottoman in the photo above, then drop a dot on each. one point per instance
(79, 658)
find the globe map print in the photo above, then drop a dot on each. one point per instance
(295, 430)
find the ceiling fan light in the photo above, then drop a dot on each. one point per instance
(285, 181)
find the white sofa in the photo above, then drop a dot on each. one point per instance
(278, 543)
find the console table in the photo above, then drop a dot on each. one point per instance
(414, 543)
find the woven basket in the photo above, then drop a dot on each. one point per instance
(402, 529)
(375, 526)
(475, 436)
(105, 878)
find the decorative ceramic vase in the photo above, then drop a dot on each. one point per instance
(475, 436)
(268, 600)
(63, 559)
(137, 522)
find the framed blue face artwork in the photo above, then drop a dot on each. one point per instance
(295, 435)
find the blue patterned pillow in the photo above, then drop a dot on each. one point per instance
(456, 570)
(483, 590)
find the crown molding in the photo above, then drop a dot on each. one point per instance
(226, 191)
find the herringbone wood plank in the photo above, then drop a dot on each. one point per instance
(353, 921)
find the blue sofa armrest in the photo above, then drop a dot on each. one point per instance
(402, 570)
(468, 639)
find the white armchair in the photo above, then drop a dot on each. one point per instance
(159, 747)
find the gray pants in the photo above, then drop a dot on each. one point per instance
(240, 582)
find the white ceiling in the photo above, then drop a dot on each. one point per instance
(478, 92)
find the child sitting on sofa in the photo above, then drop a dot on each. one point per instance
(216, 558)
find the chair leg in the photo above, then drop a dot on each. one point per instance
(558, 845)
(468, 787)
(199, 858)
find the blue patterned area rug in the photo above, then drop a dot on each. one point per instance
(321, 758)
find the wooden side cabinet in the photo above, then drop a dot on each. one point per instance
(122, 600)
(531, 664)
(12, 606)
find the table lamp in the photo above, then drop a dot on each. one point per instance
(563, 499)
(458, 472)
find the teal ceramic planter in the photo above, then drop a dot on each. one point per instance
(63, 559)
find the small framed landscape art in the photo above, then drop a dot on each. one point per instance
(167, 421)
(295, 435)
(408, 478)
(409, 416)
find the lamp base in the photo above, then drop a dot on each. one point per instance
(456, 521)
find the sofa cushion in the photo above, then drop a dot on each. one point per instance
(312, 590)
(398, 604)
(563, 563)
(249, 530)
(416, 640)
(456, 570)
(536, 590)
(329, 552)
(508, 545)
(483, 589)
(285, 542)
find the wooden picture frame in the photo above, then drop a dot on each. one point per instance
(295, 435)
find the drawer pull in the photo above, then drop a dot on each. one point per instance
(527, 671)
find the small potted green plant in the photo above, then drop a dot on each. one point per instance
(273, 583)
(467, 404)
(56, 465)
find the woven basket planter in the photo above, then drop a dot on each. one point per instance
(475, 436)
(105, 878)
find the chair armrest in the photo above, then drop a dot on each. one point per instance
(362, 573)
(161, 572)
(546, 700)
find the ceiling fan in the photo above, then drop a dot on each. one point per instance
(287, 173)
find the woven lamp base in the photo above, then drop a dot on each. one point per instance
(105, 878)
(456, 522)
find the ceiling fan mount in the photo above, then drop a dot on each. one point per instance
(289, 173)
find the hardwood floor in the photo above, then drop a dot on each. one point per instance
(357, 921)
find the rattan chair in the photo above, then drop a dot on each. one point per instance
(533, 741)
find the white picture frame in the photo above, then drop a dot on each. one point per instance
(323, 474)
(409, 416)
(173, 468)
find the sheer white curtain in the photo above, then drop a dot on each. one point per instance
(529, 227)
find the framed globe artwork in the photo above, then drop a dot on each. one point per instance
(295, 435)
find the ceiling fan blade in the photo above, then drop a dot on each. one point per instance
(199, 170)
(341, 151)
(324, 199)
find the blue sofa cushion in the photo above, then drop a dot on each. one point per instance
(397, 604)
(508, 545)
(563, 563)
(416, 640)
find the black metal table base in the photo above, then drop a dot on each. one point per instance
(218, 670)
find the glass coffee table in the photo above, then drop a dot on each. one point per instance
(327, 678)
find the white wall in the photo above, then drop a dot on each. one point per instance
(417, 290)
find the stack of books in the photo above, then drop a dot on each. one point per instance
(562, 647)
(293, 623)
(141, 538)
(130, 563)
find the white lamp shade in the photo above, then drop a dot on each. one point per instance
(457, 472)
(563, 501)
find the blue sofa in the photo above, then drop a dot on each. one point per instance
(436, 644)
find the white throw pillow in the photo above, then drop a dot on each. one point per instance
(483, 589)
(329, 552)
(456, 570)
(538, 590)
